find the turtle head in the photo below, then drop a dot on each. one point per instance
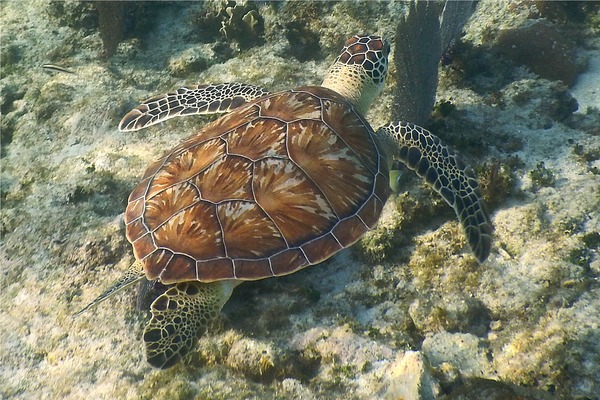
(359, 71)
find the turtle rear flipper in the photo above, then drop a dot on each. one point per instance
(192, 100)
(179, 316)
(424, 153)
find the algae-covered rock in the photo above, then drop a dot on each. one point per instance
(52, 97)
(257, 360)
(190, 61)
(409, 377)
(466, 353)
(479, 388)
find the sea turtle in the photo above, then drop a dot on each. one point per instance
(282, 181)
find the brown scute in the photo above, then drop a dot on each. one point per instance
(370, 211)
(382, 164)
(336, 169)
(258, 139)
(357, 59)
(353, 130)
(288, 261)
(238, 117)
(144, 246)
(375, 44)
(322, 94)
(373, 58)
(179, 268)
(321, 249)
(348, 231)
(252, 269)
(134, 210)
(213, 270)
(271, 187)
(198, 138)
(194, 231)
(344, 57)
(140, 190)
(229, 178)
(357, 48)
(186, 164)
(155, 166)
(382, 186)
(291, 200)
(291, 106)
(169, 202)
(247, 231)
(156, 262)
(351, 41)
(135, 230)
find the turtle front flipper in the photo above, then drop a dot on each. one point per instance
(424, 153)
(200, 99)
(179, 316)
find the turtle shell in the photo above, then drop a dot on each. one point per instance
(277, 184)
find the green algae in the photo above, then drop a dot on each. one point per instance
(497, 181)
(542, 176)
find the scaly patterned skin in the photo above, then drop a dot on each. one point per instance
(423, 152)
(193, 100)
(133, 274)
(359, 72)
(179, 315)
(189, 306)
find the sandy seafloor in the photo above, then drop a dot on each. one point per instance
(375, 321)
